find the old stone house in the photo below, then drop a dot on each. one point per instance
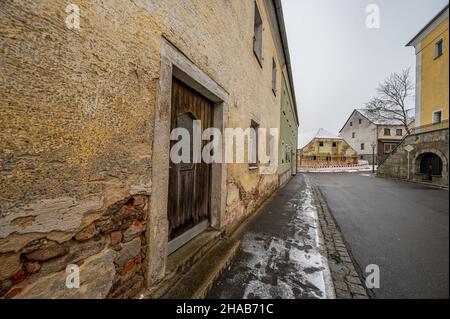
(423, 156)
(86, 114)
(363, 129)
(324, 149)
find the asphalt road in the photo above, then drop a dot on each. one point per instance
(401, 227)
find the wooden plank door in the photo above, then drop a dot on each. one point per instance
(189, 183)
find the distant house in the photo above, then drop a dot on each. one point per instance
(363, 129)
(322, 148)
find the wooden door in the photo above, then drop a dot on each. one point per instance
(189, 183)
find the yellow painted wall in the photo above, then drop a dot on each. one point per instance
(434, 75)
(342, 149)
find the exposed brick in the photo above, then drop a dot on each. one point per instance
(116, 237)
(33, 267)
(128, 266)
(19, 277)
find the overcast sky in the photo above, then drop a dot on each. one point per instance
(338, 62)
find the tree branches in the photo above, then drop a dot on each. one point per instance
(391, 102)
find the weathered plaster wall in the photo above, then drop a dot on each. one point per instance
(76, 119)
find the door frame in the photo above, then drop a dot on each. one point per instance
(174, 64)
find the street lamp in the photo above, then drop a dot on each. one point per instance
(373, 157)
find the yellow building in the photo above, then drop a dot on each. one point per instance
(322, 148)
(431, 45)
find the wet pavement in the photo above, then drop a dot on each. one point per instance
(281, 253)
(401, 227)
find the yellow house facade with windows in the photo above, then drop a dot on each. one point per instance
(324, 149)
(423, 156)
(432, 76)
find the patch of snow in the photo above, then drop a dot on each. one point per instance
(289, 267)
(337, 169)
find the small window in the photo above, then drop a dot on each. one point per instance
(437, 117)
(360, 121)
(258, 35)
(274, 77)
(387, 132)
(399, 132)
(253, 139)
(361, 157)
(439, 48)
(363, 146)
(315, 158)
(389, 147)
(334, 144)
(353, 135)
(321, 144)
(351, 123)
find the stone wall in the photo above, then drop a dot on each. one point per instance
(314, 155)
(396, 164)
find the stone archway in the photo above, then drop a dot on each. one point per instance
(428, 154)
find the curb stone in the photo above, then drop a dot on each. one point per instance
(347, 281)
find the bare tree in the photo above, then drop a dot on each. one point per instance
(391, 102)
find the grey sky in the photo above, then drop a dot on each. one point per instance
(338, 62)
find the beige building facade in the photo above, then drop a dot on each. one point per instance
(86, 115)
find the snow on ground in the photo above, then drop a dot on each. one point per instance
(337, 169)
(298, 261)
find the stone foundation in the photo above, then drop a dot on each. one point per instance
(109, 253)
(396, 165)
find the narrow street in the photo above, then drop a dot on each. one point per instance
(281, 252)
(401, 227)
